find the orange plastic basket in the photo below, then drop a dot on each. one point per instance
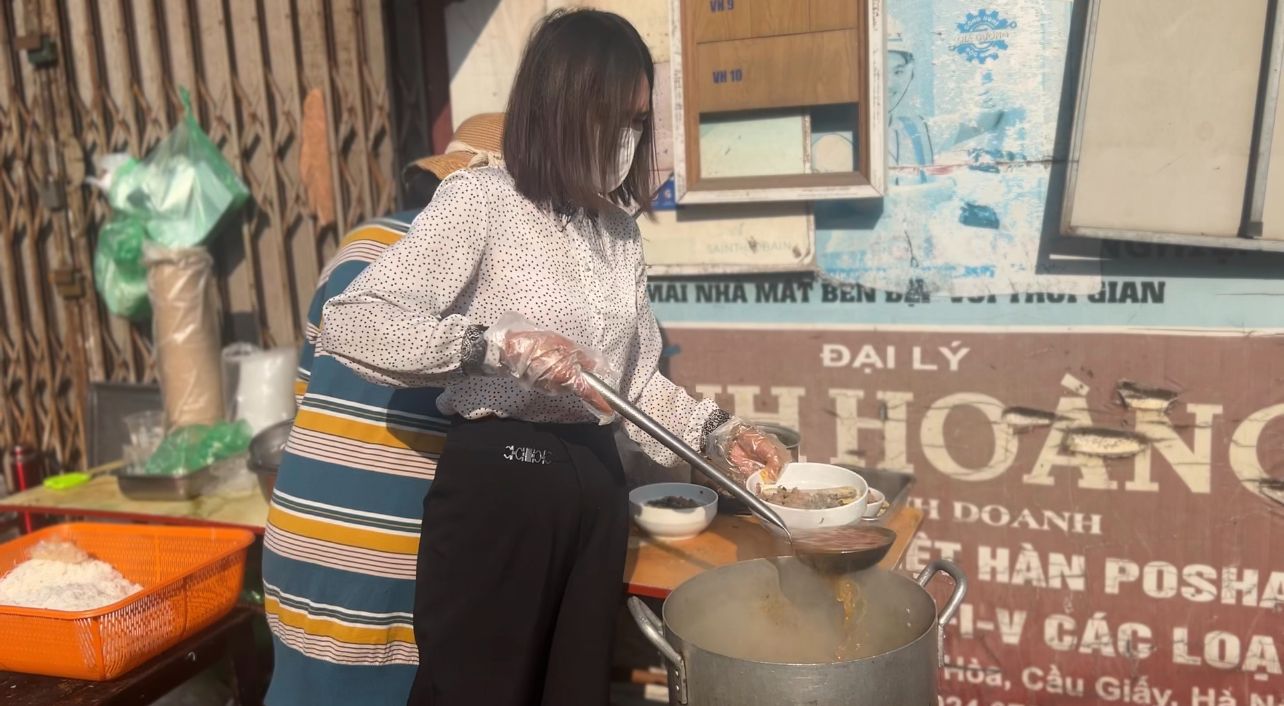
(191, 577)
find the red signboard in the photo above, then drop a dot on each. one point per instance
(1116, 499)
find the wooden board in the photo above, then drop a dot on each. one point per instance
(772, 17)
(720, 20)
(778, 72)
(101, 498)
(834, 14)
(655, 569)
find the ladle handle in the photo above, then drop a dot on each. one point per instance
(653, 630)
(685, 452)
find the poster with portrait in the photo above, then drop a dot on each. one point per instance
(973, 97)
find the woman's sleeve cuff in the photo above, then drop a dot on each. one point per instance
(473, 355)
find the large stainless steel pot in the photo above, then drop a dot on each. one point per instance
(723, 643)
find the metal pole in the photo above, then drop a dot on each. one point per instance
(685, 452)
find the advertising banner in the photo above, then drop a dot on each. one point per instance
(1115, 494)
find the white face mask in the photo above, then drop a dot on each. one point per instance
(629, 140)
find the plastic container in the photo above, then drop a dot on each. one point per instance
(146, 429)
(191, 577)
(265, 387)
(233, 355)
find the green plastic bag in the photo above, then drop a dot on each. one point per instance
(183, 190)
(194, 447)
(119, 273)
(224, 440)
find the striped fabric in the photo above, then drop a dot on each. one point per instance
(343, 527)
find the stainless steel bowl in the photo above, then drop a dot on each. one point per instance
(177, 487)
(266, 449)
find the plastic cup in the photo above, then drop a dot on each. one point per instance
(146, 429)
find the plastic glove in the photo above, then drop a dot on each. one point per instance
(546, 361)
(745, 449)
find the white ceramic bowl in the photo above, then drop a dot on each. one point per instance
(667, 524)
(874, 503)
(817, 476)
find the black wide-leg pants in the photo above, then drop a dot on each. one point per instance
(521, 566)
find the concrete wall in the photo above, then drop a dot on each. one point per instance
(1096, 431)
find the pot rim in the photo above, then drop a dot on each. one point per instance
(685, 644)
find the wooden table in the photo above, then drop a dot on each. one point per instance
(654, 569)
(101, 498)
(231, 638)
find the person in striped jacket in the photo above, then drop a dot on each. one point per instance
(343, 528)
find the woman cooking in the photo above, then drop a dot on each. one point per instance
(516, 279)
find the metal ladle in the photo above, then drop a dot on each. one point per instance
(858, 548)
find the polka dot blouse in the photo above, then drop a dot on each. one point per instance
(480, 250)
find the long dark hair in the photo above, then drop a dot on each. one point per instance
(572, 99)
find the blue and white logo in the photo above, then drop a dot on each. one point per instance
(665, 198)
(982, 36)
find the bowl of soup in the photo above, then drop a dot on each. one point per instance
(813, 495)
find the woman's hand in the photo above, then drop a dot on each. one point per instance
(746, 449)
(546, 361)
